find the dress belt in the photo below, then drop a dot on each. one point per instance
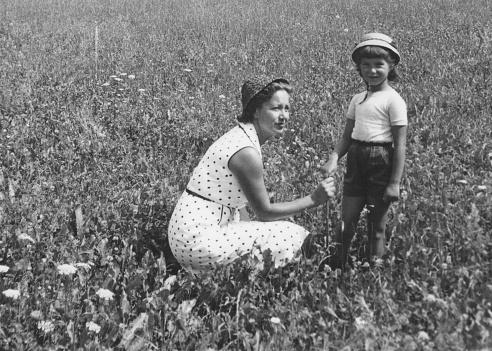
(371, 143)
(197, 195)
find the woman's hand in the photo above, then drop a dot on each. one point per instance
(324, 191)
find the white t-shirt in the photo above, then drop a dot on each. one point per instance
(375, 115)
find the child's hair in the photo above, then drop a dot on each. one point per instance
(261, 97)
(373, 51)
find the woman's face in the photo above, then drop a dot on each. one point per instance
(272, 117)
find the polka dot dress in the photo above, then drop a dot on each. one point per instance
(205, 228)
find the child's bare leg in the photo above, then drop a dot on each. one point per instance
(376, 222)
(351, 209)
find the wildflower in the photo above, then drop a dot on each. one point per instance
(113, 76)
(275, 320)
(105, 294)
(462, 181)
(423, 336)
(36, 314)
(12, 293)
(24, 236)
(46, 326)
(83, 265)
(131, 76)
(430, 298)
(118, 79)
(337, 16)
(169, 282)
(187, 70)
(122, 74)
(481, 187)
(93, 327)
(221, 96)
(360, 322)
(141, 90)
(345, 30)
(378, 262)
(3, 269)
(66, 269)
(105, 84)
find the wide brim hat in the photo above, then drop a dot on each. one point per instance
(377, 39)
(254, 85)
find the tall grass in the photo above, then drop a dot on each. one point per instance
(105, 108)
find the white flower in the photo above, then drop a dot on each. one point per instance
(462, 181)
(46, 326)
(423, 336)
(187, 70)
(83, 265)
(482, 187)
(37, 314)
(105, 84)
(93, 327)
(345, 30)
(221, 96)
(122, 74)
(66, 269)
(141, 90)
(131, 76)
(105, 294)
(118, 79)
(24, 236)
(360, 322)
(337, 16)
(113, 76)
(275, 320)
(430, 298)
(3, 269)
(169, 282)
(13, 294)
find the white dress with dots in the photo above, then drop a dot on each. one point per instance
(205, 228)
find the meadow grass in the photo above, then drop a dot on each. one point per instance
(105, 108)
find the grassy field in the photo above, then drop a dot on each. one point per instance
(105, 108)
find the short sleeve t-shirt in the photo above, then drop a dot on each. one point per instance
(375, 114)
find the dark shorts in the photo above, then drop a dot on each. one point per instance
(368, 172)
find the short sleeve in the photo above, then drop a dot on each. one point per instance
(398, 111)
(351, 108)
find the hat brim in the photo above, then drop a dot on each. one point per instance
(377, 42)
(282, 80)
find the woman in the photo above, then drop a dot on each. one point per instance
(210, 223)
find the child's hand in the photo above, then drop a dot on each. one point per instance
(391, 193)
(329, 167)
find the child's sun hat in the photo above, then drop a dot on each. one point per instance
(377, 39)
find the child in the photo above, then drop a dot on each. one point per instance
(374, 140)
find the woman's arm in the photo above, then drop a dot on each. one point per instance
(341, 148)
(392, 191)
(244, 214)
(247, 167)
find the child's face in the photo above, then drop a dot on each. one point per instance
(375, 71)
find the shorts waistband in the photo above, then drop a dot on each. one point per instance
(197, 195)
(371, 143)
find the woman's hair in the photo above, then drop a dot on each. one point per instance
(259, 99)
(372, 51)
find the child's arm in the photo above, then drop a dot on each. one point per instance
(341, 148)
(392, 192)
